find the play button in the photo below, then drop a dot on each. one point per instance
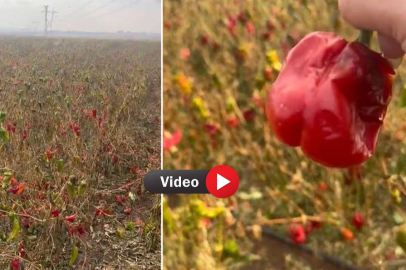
(222, 181)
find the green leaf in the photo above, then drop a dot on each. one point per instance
(168, 217)
(398, 218)
(3, 135)
(252, 195)
(396, 196)
(231, 104)
(16, 228)
(403, 97)
(120, 233)
(73, 256)
(7, 179)
(5, 207)
(60, 165)
(2, 117)
(130, 226)
(71, 189)
(12, 217)
(82, 187)
(199, 207)
(32, 237)
(217, 81)
(260, 83)
(401, 238)
(231, 249)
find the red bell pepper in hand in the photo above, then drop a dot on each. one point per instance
(331, 98)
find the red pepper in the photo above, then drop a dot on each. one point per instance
(116, 159)
(331, 98)
(55, 213)
(70, 218)
(297, 233)
(358, 220)
(81, 230)
(15, 264)
(92, 113)
(169, 142)
(50, 153)
(316, 225)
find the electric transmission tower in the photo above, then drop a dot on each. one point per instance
(52, 19)
(48, 24)
(45, 11)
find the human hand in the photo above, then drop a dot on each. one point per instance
(386, 17)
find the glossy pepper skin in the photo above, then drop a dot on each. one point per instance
(331, 98)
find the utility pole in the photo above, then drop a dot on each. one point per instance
(46, 20)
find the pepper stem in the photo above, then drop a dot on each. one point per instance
(365, 37)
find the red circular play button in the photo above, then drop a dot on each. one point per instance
(222, 181)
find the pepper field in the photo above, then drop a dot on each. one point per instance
(79, 128)
(219, 59)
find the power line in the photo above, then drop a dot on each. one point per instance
(79, 8)
(93, 11)
(118, 9)
(102, 7)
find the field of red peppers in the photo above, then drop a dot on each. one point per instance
(79, 128)
(220, 57)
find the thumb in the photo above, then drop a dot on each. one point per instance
(386, 17)
(390, 47)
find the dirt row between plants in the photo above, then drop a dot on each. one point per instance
(276, 251)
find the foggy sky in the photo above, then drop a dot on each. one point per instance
(83, 15)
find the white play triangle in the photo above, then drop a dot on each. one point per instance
(221, 181)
